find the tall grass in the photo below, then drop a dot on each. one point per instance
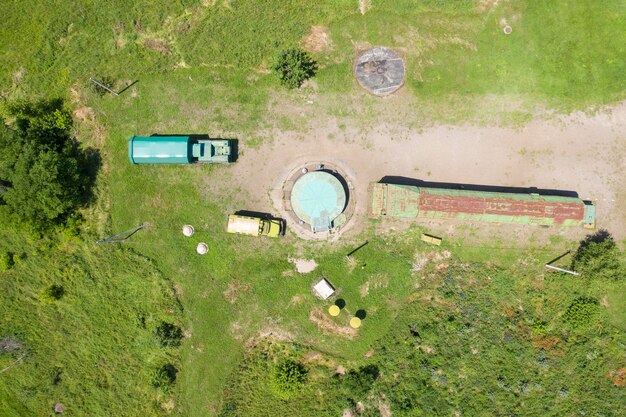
(93, 348)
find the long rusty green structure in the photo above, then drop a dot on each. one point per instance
(408, 201)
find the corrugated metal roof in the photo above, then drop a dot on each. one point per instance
(410, 201)
(159, 150)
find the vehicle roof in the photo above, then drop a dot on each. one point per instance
(159, 150)
(243, 224)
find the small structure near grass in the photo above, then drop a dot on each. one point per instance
(433, 240)
(380, 71)
(202, 248)
(334, 310)
(323, 289)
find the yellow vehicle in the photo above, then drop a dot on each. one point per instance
(254, 226)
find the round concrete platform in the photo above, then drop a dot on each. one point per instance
(379, 70)
(318, 198)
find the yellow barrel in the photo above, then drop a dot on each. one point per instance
(355, 322)
(333, 310)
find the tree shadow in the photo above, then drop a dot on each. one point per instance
(89, 163)
(600, 236)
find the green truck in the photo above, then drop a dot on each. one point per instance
(178, 150)
(254, 226)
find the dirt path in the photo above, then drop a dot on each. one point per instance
(579, 152)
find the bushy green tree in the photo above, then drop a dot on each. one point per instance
(53, 293)
(168, 334)
(293, 67)
(288, 378)
(357, 382)
(165, 376)
(581, 312)
(599, 257)
(41, 163)
(6, 261)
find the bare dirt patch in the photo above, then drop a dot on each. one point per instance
(548, 343)
(168, 406)
(84, 113)
(159, 45)
(303, 266)
(364, 6)
(326, 324)
(421, 259)
(618, 377)
(405, 147)
(296, 300)
(350, 263)
(486, 5)
(317, 40)
(234, 290)
(319, 358)
(271, 333)
(384, 409)
(374, 282)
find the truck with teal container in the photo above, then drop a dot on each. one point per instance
(178, 150)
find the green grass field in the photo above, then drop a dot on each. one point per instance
(201, 67)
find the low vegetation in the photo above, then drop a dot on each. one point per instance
(474, 339)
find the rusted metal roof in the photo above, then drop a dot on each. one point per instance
(410, 201)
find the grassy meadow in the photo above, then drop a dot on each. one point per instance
(491, 334)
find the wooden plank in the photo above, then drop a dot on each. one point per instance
(434, 240)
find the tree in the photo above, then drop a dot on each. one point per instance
(599, 257)
(42, 165)
(293, 67)
(288, 378)
(581, 312)
(168, 334)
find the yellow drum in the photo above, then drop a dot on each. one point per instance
(334, 310)
(355, 322)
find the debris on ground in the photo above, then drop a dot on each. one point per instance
(303, 266)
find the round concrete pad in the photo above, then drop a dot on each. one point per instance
(380, 71)
(318, 197)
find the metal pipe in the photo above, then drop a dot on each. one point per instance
(562, 270)
(93, 80)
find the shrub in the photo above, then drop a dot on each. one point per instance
(599, 257)
(293, 67)
(358, 382)
(6, 261)
(581, 312)
(169, 334)
(165, 376)
(53, 293)
(288, 378)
